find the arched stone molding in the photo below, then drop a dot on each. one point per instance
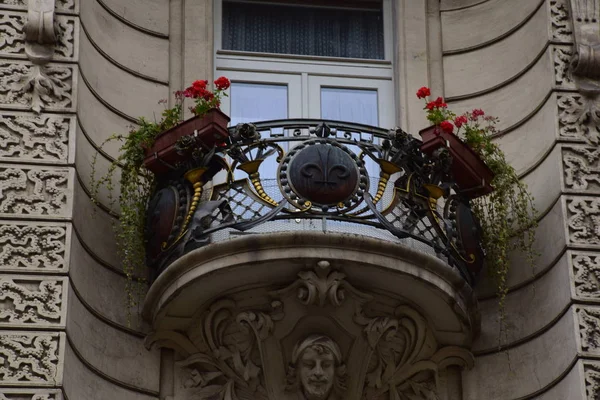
(395, 322)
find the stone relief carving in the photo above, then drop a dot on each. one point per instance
(61, 5)
(562, 60)
(592, 379)
(581, 168)
(40, 248)
(317, 370)
(30, 357)
(340, 349)
(31, 302)
(230, 367)
(39, 31)
(561, 25)
(30, 394)
(579, 118)
(586, 275)
(12, 36)
(34, 191)
(25, 86)
(589, 329)
(583, 220)
(42, 137)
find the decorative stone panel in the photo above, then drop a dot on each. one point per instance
(34, 247)
(561, 27)
(581, 168)
(562, 58)
(30, 394)
(61, 6)
(588, 319)
(31, 358)
(592, 379)
(12, 37)
(583, 221)
(35, 192)
(33, 302)
(585, 275)
(24, 85)
(578, 118)
(27, 137)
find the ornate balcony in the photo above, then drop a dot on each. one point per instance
(312, 175)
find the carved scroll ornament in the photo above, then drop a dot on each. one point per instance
(340, 349)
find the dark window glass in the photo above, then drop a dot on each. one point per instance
(292, 29)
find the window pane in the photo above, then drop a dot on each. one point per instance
(349, 105)
(286, 29)
(252, 102)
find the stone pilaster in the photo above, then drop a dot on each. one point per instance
(38, 83)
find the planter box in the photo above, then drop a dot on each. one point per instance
(209, 129)
(471, 174)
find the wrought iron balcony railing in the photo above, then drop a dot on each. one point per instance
(313, 175)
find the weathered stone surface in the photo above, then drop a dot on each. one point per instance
(33, 301)
(31, 137)
(583, 220)
(40, 247)
(35, 191)
(31, 358)
(27, 86)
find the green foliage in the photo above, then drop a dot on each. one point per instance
(136, 185)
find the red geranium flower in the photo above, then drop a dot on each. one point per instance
(222, 83)
(460, 121)
(199, 85)
(423, 92)
(439, 102)
(447, 126)
(478, 113)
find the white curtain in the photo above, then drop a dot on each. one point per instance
(284, 29)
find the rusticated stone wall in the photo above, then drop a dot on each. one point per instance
(528, 62)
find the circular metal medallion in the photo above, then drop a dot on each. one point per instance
(322, 172)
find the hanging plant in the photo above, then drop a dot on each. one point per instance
(507, 215)
(137, 182)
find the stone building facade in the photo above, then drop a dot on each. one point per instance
(73, 72)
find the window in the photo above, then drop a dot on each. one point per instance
(354, 31)
(303, 56)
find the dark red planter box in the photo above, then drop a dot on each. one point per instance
(210, 130)
(471, 174)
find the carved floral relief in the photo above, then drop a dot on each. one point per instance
(35, 191)
(579, 118)
(561, 27)
(12, 36)
(32, 302)
(592, 379)
(34, 247)
(66, 6)
(49, 87)
(31, 137)
(340, 349)
(589, 329)
(30, 394)
(586, 274)
(30, 358)
(581, 166)
(583, 220)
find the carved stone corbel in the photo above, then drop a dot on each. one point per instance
(40, 35)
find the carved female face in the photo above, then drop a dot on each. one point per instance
(317, 372)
